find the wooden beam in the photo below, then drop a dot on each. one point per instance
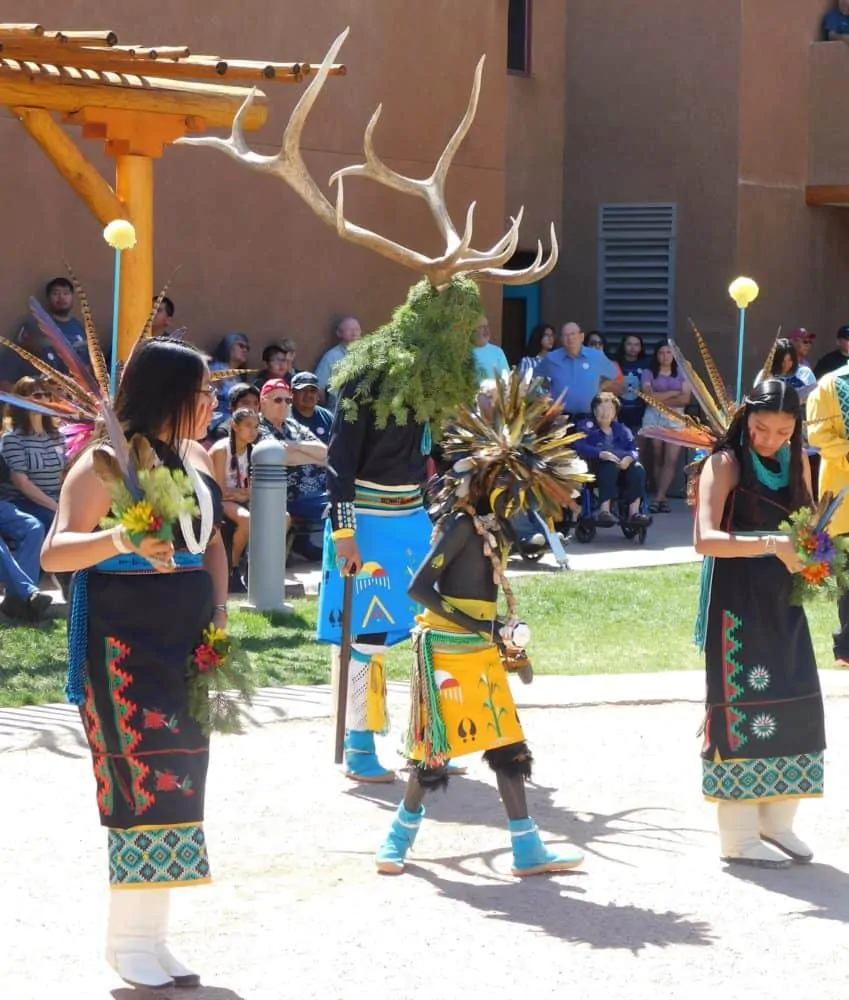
(216, 105)
(64, 154)
(134, 184)
(77, 62)
(21, 31)
(827, 194)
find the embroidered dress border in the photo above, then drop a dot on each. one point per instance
(753, 779)
(151, 856)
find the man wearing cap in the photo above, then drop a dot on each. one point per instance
(803, 340)
(305, 408)
(834, 359)
(306, 458)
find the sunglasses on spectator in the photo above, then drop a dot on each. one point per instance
(40, 395)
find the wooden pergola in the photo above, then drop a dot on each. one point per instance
(136, 99)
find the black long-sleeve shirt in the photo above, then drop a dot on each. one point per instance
(391, 456)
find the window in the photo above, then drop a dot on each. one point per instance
(636, 270)
(519, 36)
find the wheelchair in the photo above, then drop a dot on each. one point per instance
(585, 527)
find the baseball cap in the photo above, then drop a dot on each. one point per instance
(843, 333)
(274, 385)
(305, 380)
(800, 333)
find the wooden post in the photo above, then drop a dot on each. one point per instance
(134, 186)
(71, 164)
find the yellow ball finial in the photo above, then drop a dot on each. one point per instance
(120, 234)
(744, 291)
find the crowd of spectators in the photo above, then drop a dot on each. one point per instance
(259, 396)
(268, 396)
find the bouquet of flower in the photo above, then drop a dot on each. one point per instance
(157, 499)
(825, 559)
(217, 669)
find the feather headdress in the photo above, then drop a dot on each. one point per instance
(512, 450)
(81, 396)
(717, 407)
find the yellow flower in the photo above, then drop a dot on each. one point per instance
(744, 291)
(215, 636)
(138, 518)
(120, 234)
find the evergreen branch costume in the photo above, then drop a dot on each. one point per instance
(395, 387)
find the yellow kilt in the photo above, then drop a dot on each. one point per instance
(461, 701)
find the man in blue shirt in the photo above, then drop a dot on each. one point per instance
(491, 361)
(835, 24)
(305, 408)
(580, 371)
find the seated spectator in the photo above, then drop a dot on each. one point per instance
(20, 569)
(632, 363)
(491, 361)
(834, 359)
(347, 332)
(242, 396)
(13, 367)
(306, 458)
(305, 408)
(231, 460)
(34, 450)
(803, 341)
(278, 361)
(835, 24)
(161, 326)
(667, 385)
(231, 353)
(785, 366)
(611, 448)
(59, 303)
(540, 342)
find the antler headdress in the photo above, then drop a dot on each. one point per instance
(459, 256)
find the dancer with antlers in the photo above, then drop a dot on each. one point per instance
(395, 388)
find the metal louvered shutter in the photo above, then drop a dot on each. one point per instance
(636, 269)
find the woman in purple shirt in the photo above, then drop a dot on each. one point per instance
(668, 386)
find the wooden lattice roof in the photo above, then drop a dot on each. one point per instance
(92, 68)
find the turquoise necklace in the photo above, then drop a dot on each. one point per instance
(773, 480)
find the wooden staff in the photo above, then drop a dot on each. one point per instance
(344, 661)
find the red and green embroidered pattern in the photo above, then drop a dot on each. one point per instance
(100, 760)
(732, 673)
(124, 710)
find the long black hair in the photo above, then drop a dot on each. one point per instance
(241, 414)
(773, 395)
(655, 362)
(159, 388)
(534, 345)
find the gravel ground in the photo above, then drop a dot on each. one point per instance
(296, 910)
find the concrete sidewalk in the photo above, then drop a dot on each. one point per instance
(297, 911)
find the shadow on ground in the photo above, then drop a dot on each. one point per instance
(557, 910)
(175, 993)
(468, 800)
(824, 887)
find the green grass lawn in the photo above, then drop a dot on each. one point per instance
(632, 621)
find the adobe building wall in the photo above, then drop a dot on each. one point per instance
(652, 116)
(252, 257)
(536, 133)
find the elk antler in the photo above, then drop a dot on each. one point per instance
(459, 256)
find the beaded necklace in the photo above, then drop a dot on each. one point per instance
(774, 481)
